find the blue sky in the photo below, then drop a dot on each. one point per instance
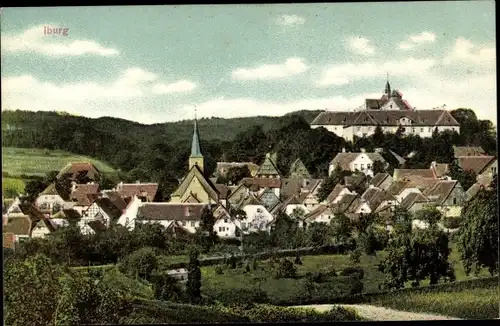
(158, 63)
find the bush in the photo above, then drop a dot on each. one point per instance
(219, 270)
(165, 287)
(141, 263)
(452, 222)
(353, 271)
(286, 269)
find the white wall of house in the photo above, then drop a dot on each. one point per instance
(129, 216)
(49, 201)
(40, 231)
(450, 210)
(225, 228)
(419, 224)
(90, 215)
(325, 217)
(164, 223)
(257, 218)
(363, 208)
(362, 163)
(490, 171)
(342, 193)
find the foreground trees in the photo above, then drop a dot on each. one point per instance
(478, 236)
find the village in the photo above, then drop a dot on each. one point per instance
(255, 202)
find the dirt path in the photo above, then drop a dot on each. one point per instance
(375, 313)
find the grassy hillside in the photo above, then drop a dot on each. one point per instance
(37, 162)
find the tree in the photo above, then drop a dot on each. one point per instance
(165, 287)
(317, 234)
(286, 269)
(141, 263)
(284, 232)
(194, 278)
(206, 234)
(341, 229)
(466, 178)
(235, 174)
(378, 137)
(378, 167)
(148, 235)
(415, 255)
(478, 236)
(34, 187)
(31, 288)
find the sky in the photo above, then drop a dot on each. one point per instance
(155, 64)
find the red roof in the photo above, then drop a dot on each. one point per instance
(147, 190)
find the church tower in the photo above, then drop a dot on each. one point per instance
(196, 158)
(387, 87)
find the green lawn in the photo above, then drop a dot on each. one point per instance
(476, 303)
(37, 162)
(11, 187)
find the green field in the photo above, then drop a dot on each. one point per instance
(478, 303)
(37, 162)
(11, 187)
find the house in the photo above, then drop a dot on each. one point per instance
(356, 181)
(46, 226)
(75, 169)
(82, 195)
(20, 227)
(440, 169)
(258, 184)
(224, 192)
(349, 205)
(195, 184)
(376, 198)
(53, 198)
(414, 202)
(258, 218)
(448, 196)
(460, 151)
(101, 213)
(225, 225)
(129, 214)
(299, 170)
(362, 162)
(12, 206)
(337, 193)
(401, 189)
(311, 198)
(187, 216)
(237, 195)
(321, 214)
(144, 191)
(480, 165)
(389, 112)
(381, 180)
(268, 169)
(223, 167)
(481, 183)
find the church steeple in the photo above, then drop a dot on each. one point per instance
(388, 87)
(196, 158)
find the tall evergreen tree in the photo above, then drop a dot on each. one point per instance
(194, 278)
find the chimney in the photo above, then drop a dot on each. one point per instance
(433, 164)
(371, 186)
(137, 182)
(73, 186)
(343, 149)
(120, 185)
(363, 150)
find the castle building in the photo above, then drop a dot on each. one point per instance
(389, 112)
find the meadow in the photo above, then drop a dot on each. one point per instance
(17, 162)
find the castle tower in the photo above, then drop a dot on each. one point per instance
(196, 158)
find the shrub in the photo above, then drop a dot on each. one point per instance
(140, 263)
(219, 270)
(452, 222)
(165, 287)
(298, 261)
(286, 269)
(353, 271)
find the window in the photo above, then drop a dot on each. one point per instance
(454, 201)
(362, 166)
(183, 223)
(259, 210)
(243, 225)
(494, 170)
(404, 129)
(225, 220)
(355, 166)
(413, 130)
(430, 129)
(368, 166)
(192, 223)
(358, 128)
(421, 129)
(220, 229)
(369, 128)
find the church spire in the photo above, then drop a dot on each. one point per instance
(195, 145)
(388, 87)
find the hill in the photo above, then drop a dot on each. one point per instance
(18, 162)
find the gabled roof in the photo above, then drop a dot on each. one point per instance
(192, 198)
(262, 182)
(207, 185)
(78, 167)
(440, 169)
(378, 179)
(170, 211)
(19, 225)
(400, 160)
(459, 151)
(268, 167)
(236, 189)
(80, 195)
(68, 214)
(400, 174)
(221, 212)
(477, 164)
(147, 190)
(335, 192)
(119, 201)
(224, 191)
(251, 200)
(344, 203)
(316, 212)
(441, 191)
(299, 170)
(398, 186)
(412, 199)
(109, 207)
(97, 225)
(290, 187)
(355, 179)
(344, 159)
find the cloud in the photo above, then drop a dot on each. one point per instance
(292, 66)
(465, 51)
(344, 73)
(290, 20)
(33, 40)
(177, 87)
(414, 40)
(360, 45)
